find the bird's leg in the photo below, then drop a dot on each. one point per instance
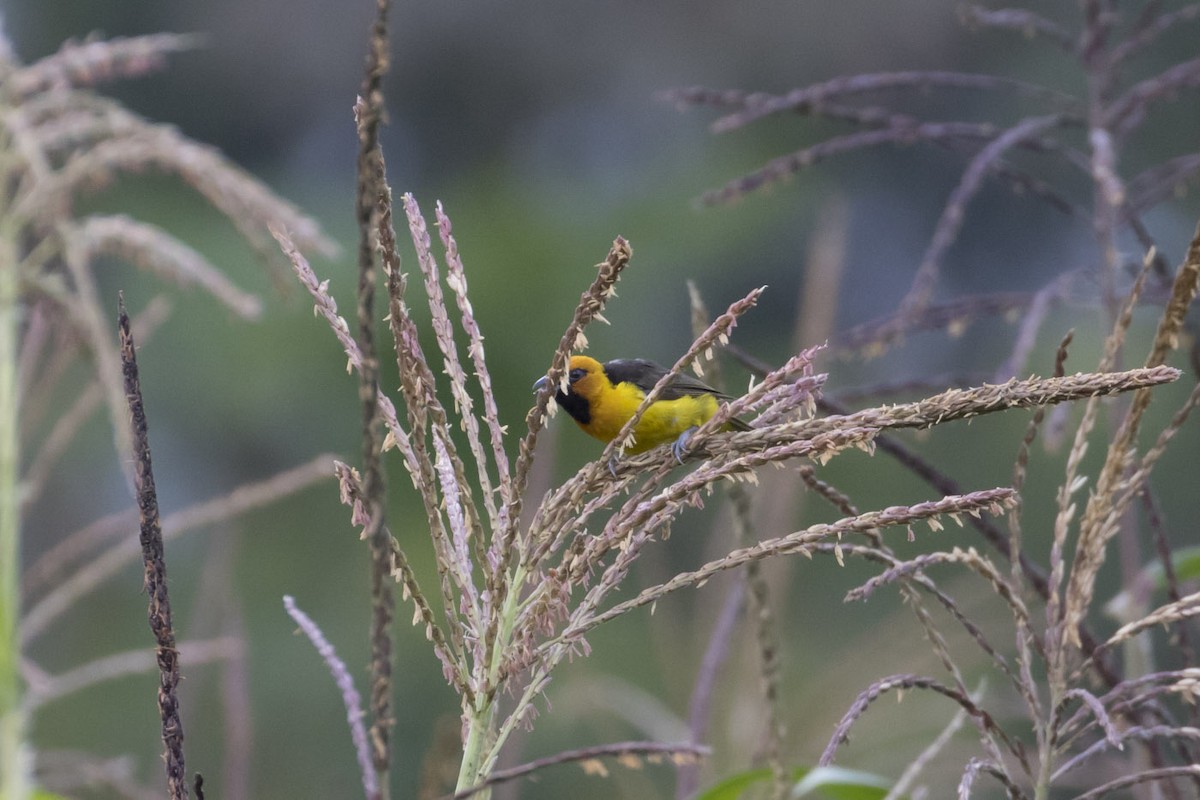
(613, 460)
(681, 443)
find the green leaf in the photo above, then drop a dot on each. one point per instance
(1186, 563)
(823, 783)
(836, 783)
(731, 788)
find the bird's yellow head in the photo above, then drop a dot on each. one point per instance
(585, 376)
(586, 380)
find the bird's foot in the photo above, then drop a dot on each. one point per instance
(613, 460)
(680, 444)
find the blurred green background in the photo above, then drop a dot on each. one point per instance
(537, 125)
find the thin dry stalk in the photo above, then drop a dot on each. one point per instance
(69, 590)
(350, 696)
(1135, 484)
(1021, 20)
(67, 427)
(1134, 733)
(1043, 301)
(449, 653)
(154, 557)
(949, 225)
(431, 465)
(416, 461)
(1102, 517)
(953, 404)
(768, 645)
(976, 766)
(880, 553)
(1026, 640)
(759, 594)
(628, 754)
(1183, 608)
(968, 558)
(913, 771)
(717, 650)
(814, 98)
(707, 679)
(158, 252)
(1138, 778)
(861, 395)
(369, 119)
(447, 457)
(874, 338)
(992, 500)
(93, 326)
(900, 683)
(68, 772)
(45, 689)
(82, 64)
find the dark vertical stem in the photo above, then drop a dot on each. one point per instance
(1183, 642)
(707, 678)
(752, 591)
(1097, 64)
(156, 567)
(759, 608)
(383, 602)
(1100, 17)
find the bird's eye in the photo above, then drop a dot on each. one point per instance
(576, 374)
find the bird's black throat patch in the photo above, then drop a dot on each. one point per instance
(574, 405)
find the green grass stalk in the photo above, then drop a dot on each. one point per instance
(483, 741)
(14, 765)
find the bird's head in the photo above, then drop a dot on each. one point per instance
(585, 377)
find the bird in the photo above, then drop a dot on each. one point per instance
(602, 397)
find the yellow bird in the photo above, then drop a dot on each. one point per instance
(602, 398)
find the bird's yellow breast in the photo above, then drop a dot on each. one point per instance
(663, 421)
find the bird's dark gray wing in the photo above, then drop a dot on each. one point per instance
(644, 374)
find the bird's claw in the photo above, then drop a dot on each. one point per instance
(612, 464)
(680, 444)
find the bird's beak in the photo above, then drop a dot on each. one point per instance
(541, 383)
